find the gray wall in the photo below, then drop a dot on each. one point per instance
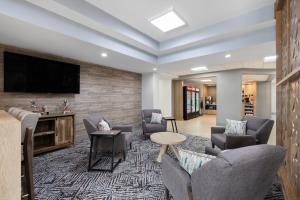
(263, 99)
(229, 99)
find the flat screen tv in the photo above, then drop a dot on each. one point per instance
(24, 73)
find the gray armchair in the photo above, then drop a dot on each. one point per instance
(104, 144)
(245, 173)
(149, 128)
(258, 131)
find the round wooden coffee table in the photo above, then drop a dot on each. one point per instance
(166, 139)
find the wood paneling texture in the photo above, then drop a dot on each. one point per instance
(10, 155)
(287, 13)
(178, 99)
(114, 93)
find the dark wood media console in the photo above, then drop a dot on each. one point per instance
(54, 131)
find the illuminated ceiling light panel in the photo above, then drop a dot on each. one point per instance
(168, 21)
(202, 68)
(205, 80)
(270, 58)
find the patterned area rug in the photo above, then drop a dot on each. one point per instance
(63, 174)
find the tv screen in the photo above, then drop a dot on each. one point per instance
(24, 73)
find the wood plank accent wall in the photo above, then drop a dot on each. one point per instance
(287, 14)
(10, 156)
(178, 99)
(114, 93)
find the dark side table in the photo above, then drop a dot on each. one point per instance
(173, 120)
(113, 134)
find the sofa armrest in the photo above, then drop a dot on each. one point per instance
(237, 141)
(217, 130)
(176, 180)
(123, 128)
(212, 151)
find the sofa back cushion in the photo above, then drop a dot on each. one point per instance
(28, 119)
(254, 123)
(147, 114)
(96, 119)
(244, 173)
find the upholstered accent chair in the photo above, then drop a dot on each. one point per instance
(245, 173)
(28, 124)
(149, 128)
(258, 131)
(104, 144)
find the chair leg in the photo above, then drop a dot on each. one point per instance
(130, 146)
(167, 193)
(145, 137)
(28, 156)
(124, 155)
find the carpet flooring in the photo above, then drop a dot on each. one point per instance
(63, 174)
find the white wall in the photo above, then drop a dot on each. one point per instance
(165, 96)
(263, 99)
(157, 92)
(149, 96)
(229, 96)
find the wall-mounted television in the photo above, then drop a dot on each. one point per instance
(24, 73)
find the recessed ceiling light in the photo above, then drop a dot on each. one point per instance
(228, 56)
(202, 68)
(205, 80)
(104, 54)
(154, 69)
(168, 21)
(270, 58)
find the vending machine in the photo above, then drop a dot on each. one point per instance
(191, 102)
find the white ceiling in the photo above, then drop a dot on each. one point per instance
(250, 57)
(45, 41)
(83, 29)
(200, 80)
(197, 13)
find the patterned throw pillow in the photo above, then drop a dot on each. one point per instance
(234, 127)
(103, 126)
(190, 161)
(156, 118)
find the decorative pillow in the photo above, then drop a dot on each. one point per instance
(156, 118)
(190, 161)
(103, 126)
(234, 127)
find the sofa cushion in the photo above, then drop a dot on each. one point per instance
(190, 161)
(147, 114)
(219, 140)
(156, 118)
(234, 127)
(251, 132)
(152, 128)
(103, 126)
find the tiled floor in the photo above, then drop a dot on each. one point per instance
(201, 126)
